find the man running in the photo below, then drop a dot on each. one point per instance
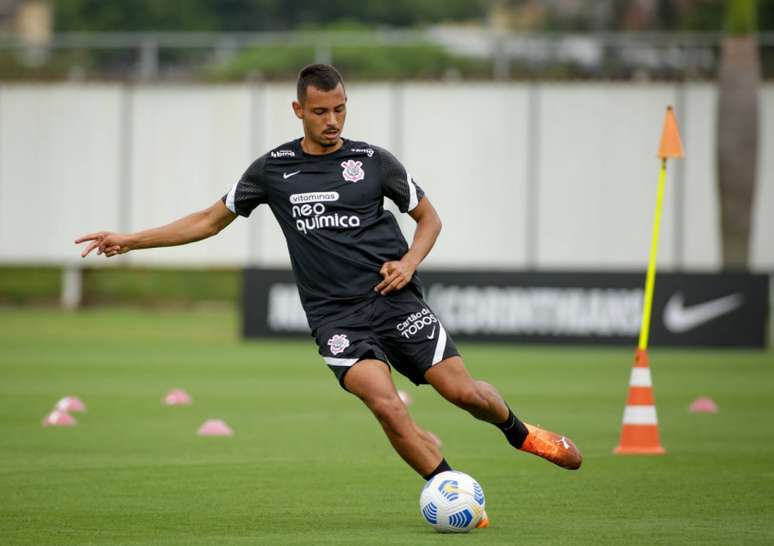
(355, 272)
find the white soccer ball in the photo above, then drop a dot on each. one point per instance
(452, 502)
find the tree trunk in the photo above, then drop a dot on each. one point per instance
(737, 145)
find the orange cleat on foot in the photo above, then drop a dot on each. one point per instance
(560, 450)
(483, 523)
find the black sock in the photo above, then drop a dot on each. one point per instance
(443, 466)
(514, 430)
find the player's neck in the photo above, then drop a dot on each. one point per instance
(312, 148)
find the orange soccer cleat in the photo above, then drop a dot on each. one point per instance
(483, 523)
(560, 450)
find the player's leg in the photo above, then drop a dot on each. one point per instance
(370, 380)
(418, 346)
(450, 378)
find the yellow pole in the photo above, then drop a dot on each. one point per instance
(650, 279)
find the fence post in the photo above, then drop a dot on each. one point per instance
(149, 59)
(501, 64)
(72, 287)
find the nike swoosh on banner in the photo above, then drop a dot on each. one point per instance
(678, 318)
(285, 176)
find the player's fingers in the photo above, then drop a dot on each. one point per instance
(386, 282)
(89, 248)
(89, 237)
(389, 289)
(392, 286)
(379, 287)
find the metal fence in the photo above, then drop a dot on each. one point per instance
(472, 53)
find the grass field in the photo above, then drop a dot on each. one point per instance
(308, 464)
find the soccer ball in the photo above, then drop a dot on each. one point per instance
(452, 502)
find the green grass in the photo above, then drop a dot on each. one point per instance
(308, 465)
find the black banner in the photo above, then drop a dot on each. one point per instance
(696, 309)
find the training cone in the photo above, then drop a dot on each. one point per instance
(639, 434)
(71, 404)
(703, 405)
(405, 398)
(214, 427)
(59, 418)
(177, 397)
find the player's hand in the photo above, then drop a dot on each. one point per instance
(395, 275)
(109, 244)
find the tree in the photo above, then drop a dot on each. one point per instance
(254, 15)
(737, 131)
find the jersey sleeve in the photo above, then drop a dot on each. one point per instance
(398, 184)
(249, 191)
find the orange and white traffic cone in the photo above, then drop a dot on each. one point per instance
(639, 434)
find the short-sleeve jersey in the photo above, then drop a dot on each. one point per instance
(331, 211)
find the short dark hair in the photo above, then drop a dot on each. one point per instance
(322, 76)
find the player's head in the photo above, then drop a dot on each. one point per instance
(321, 104)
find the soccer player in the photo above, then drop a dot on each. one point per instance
(355, 272)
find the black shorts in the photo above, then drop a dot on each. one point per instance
(398, 329)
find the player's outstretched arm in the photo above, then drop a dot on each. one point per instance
(397, 274)
(194, 227)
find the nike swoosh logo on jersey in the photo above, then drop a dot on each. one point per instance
(432, 334)
(678, 318)
(285, 176)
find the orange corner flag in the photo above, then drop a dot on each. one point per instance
(671, 146)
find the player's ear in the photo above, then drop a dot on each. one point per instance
(298, 109)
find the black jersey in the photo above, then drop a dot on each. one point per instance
(331, 211)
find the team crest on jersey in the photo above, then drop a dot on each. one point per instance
(353, 170)
(338, 343)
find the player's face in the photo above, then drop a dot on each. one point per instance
(322, 114)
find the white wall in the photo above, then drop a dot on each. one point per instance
(59, 167)
(547, 176)
(598, 173)
(188, 146)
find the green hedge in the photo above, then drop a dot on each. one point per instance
(370, 62)
(22, 285)
(125, 286)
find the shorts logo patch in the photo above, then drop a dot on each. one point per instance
(416, 322)
(353, 170)
(338, 343)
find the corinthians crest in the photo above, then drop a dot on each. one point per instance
(338, 343)
(353, 170)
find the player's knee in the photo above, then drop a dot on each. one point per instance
(468, 398)
(389, 411)
(484, 388)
